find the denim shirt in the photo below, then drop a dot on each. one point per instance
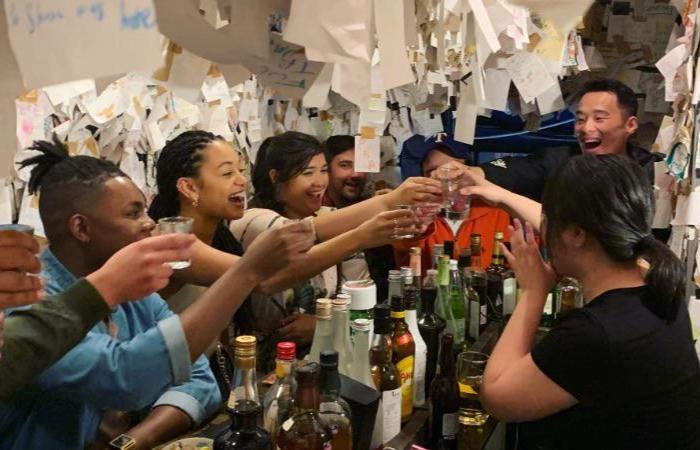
(146, 364)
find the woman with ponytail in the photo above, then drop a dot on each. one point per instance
(621, 372)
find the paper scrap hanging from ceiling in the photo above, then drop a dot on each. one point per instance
(58, 41)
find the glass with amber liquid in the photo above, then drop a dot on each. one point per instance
(404, 355)
(305, 430)
(387, 378)
(470, 374)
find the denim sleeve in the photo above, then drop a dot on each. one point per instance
(199, 397)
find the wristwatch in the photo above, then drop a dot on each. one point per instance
(123, 442)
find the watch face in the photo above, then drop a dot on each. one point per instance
(123, 442)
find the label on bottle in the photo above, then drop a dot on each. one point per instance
(419, 376)
(405, 367)
(288, 424)
(483, 314)
(474, 319)
(391, 414)
(450, 426)
(548, 305)
(510, 288)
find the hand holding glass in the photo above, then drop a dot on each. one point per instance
(456, 205)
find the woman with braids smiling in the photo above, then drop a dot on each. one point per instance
(199, 176)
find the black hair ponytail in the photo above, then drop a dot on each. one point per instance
(666, 274)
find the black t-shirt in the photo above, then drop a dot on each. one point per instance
(635, 376)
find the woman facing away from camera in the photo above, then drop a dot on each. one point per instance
(621, 372)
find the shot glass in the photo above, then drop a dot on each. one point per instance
(457, 206)
(168, 225)
(401, 233)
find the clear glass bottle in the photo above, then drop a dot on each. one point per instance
(323, 334)
(430, 325)
(404, 354)
(305, 430)
(386, 377)
(334, 411)
(395, 284)
(443, 418)
(360, 367)
(243, 404)
(479, 281)
(341, 335)
(278, 400)
(421, 355)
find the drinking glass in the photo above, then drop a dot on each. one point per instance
(470, 373)
(401, 233)
(456, 205)
(168, 225)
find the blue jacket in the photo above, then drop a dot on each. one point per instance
(147, 364)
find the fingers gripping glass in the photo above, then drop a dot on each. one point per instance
(404, 232)
(169, 225)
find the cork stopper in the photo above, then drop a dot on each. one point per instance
(340, 303)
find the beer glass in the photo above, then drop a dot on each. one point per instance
(470, 373)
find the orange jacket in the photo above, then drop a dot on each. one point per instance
(483, 219)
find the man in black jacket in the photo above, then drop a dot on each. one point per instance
(606, 119)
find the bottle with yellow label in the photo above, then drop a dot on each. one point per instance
(403, 349)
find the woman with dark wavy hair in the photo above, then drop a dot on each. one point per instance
(621, 372)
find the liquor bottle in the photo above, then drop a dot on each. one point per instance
(323, 334)
(444, 400)
(278, 400)
(421, 349)
(457, 304)
(386, 376)
(444, 300)
(243, 404)
(471, 299)
(569, 295)
(479, 282)
(360, 366)
(404, 355)
(416, 265)
(449, 248)
(494, 277)
(334, 412)
(438, 250)
(363, 297)
(305, 430)
(395, 284)
(430, 325)
(341, 335)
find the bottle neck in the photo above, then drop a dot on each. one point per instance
(244, 416)
(361, 343)
(447, 362)
(324, 327)
(395, 287)
(381, 343)
(428, 300)
(283, 368)
(330, 383)
(307, 398)
(245, 388)
(476, 261)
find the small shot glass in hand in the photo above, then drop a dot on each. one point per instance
(169, 225)
(403, 233)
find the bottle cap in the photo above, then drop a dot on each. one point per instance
(415, 251)
(360, 325)
(409, 297)
(340, 303)
(499, 235)
(329, 358)
(245, 346)
(323, 309)
(438, 249)
(363, 294)
(407, 275)
(449, 247)
(394, 275)
(431, 272)
(286, 351)
(307, 375)
(382, 323)
(444, 258)
(397, 303)
(453, 264)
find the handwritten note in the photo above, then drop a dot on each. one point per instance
(367, 154)
(64, 40)
(529, 74)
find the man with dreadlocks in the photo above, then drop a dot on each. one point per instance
(143, 363)
(36, 337)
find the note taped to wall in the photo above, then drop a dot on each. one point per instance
(56, 41)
